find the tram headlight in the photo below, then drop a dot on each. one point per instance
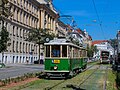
(55, 67)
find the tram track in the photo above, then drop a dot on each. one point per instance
(50, 88)
(83, 81)
(55, 85)
(94, 77)
(105, 80)
(90, 77)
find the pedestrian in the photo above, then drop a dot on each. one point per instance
(27, 61)
(41, 58)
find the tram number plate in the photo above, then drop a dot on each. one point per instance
(56, 61)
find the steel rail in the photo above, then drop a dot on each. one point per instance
(50, 88)
(83, 81)
(105, 81)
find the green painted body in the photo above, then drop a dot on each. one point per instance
(65, 64)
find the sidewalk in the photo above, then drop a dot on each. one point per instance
(23, 65)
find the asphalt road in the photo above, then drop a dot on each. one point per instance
(19, 70)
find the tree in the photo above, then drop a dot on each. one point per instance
(39, 36)
(113, 43)
(4, 8)
(4, 34)
(91, 50)
(4, 38)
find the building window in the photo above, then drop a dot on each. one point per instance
(20, 60)
(29, 48)
(17, 46)
(17, 31)
(26, 47)
(23, 60)
(20, 46)
(36, 50)
(24, 19)
(14, 13)
(23, 33)
(17, 59)
(17, 15)
(13, 30)
(13, 59)
(30, 7)
(27, 19)
(20, 33)
(21, 2)
(23, 47)
(21, 16)
(13, 46)
(5, 59)
(27, 4)
(24, 3)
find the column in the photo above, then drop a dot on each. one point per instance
(46, 26)
(42, 18)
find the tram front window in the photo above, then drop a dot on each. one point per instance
(55, 51)
(64, 51)
(47, 51)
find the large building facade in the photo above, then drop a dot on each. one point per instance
(27, 14)
(102, 45)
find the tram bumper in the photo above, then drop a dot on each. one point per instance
(104, 61)
(56, 74)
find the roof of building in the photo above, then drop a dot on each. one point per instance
(80, 31)
(90, 38)
(99, 41)
(43, 1)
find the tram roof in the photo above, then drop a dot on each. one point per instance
(61, 42)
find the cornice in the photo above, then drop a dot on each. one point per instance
(48, 10)
(61, 23)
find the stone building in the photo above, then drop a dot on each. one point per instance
(25, 17)
(27, 14)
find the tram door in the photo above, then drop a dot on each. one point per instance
(70, 51)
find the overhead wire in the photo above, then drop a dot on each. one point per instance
(98, 18)
(68, 17)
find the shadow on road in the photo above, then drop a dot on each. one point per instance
(74, 87)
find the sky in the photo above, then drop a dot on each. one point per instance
(100, 18)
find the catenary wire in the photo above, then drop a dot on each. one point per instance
(98, 18)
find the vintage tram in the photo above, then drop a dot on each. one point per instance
(104, 56)
(63, 58)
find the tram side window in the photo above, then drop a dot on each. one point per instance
(73, 52)
(80, 53)
(83, 53)
(55, 51)
(64, 51)
(47, 51)
(76, 50)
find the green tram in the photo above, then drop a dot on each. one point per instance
(63, 58)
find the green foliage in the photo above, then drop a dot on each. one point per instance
(38, 36)
(4, 38)
(4, 8)
(113, 42)
(91, 50)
